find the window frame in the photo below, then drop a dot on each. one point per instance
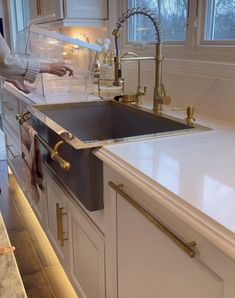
(195, 47)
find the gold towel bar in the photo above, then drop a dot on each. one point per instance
(187, 247)
(54, 153)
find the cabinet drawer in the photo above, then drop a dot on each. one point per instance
(12, 145)
(150, 260)
(10, 108)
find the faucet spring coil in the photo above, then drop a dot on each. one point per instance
(142, 11)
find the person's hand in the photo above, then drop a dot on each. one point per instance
(20, 86)
(59, 69)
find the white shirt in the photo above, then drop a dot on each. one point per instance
(16, 67)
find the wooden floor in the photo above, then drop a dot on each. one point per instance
(40, 270)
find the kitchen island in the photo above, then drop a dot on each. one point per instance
(185, 185)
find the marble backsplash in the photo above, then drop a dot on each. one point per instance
(209, 87)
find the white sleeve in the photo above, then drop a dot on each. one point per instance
(16, 67)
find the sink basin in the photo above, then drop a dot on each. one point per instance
(94, 124)
(87, 125)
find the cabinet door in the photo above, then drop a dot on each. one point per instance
(151, 265)
(57, 227)
(87, 9)
(87, 255)
(39, 207)
(43, 10)
(10, 108)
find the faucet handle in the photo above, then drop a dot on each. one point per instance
(166, 100)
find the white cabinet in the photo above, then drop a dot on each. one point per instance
(57, 218)
(86, 255)
(149, 263)
(11, 129)
(10, 108)
(77, 241)
(87, 9)
(43, 11)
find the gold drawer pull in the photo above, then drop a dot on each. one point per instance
(60, 227)
(188, 248)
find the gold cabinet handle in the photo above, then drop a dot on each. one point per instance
(188, 248)
(60, 227)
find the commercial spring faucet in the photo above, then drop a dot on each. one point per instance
(159, 97)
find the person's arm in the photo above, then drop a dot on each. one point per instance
(16, 67)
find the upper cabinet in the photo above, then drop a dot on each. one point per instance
(71, 12)
(87, 9)
(42, 11)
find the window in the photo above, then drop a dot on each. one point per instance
(192, 29)
(220, 20)
(171, 13)
(19, 17)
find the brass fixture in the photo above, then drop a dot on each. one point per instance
(188, 248)
(139, 91)
(54, 153)
(60, 226)
(159, 95)
(190, 113)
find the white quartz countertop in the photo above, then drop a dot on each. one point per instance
(196, 170)
(11, 284)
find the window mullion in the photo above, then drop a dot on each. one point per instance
(191, 30)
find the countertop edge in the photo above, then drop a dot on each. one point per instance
(211, 230)
(10, 261)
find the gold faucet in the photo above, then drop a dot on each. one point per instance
(139, 91)
(159, 97)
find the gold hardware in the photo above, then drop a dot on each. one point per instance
(186, 247)
(60, 226)
(139, 91)
(190, 113)
(158, 99)
(22, 118)
(54, 153)
(126, 98)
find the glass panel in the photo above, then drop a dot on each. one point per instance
(55, 47)
(173, 18)
(220, 20)
(19, 15)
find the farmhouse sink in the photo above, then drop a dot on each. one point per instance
(100, 123)
(88, 125)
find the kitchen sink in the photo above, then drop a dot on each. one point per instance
(99, 123)
(88, 125)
